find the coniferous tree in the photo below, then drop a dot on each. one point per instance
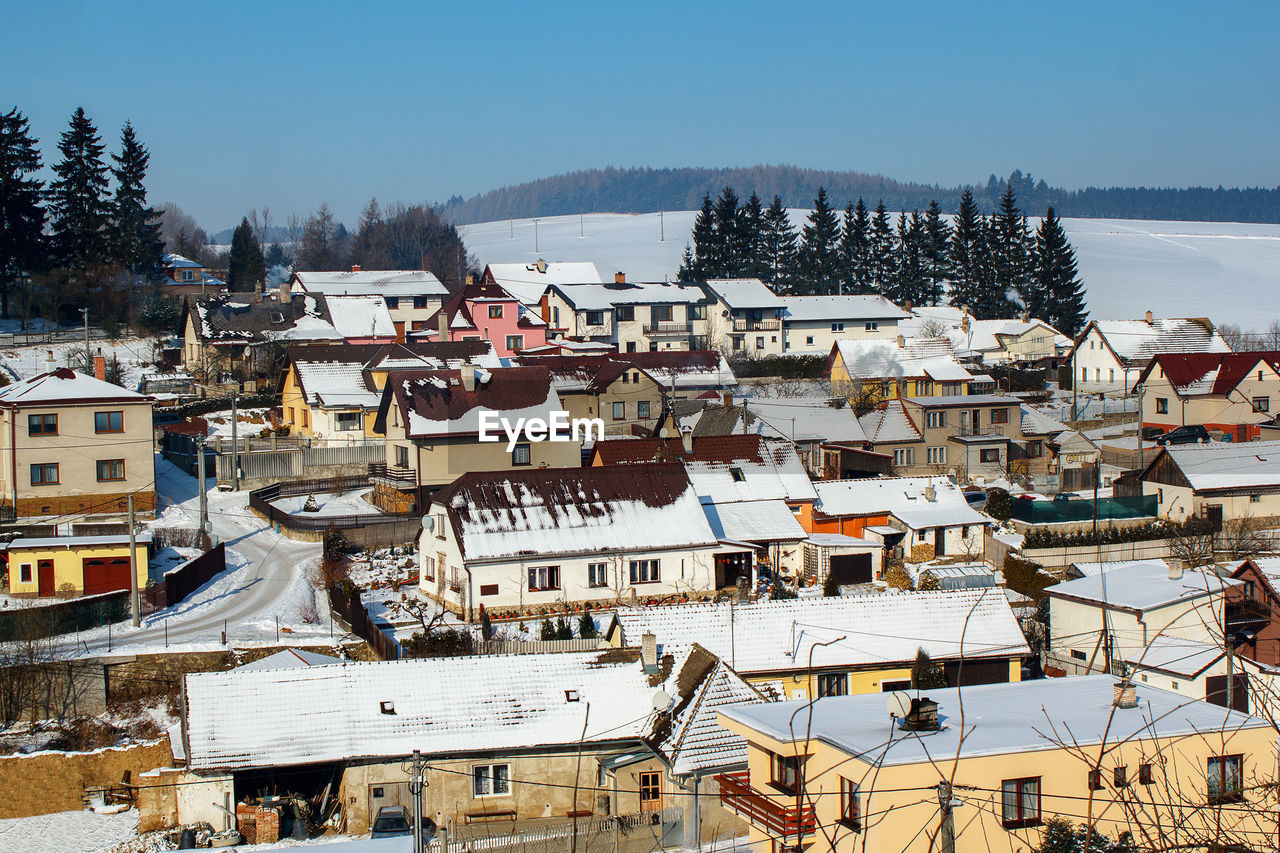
(246, 267)
(937, 244)
(1011, 250)
(697, 256)
(368, 247)
(728, 259)
(78, 197)
(991, 295)
(966, 246)
(881, 261)
(910, 284)
(819, 260)
(23, 249)
(135, 227)
(1059, 287)
(779, 248)
(753, 231)
(856, 248)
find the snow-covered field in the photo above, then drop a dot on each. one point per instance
(26, 361)
(1176, 269)
(64, 832)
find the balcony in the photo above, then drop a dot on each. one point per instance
(980, 432)
(1248, 615)
(392, 475)
(668, 328)
(765, 811)
(757, 325)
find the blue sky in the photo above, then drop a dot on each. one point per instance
(288, 105)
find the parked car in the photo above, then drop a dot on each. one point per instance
(1189, 434)
(975, 498)
(1152, 433)
(393, 822)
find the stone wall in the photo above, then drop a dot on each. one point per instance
(49, 782)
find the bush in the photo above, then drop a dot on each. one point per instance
(830, 587)
(450, 642)
(548, 630)
(783, 366)
(587, 626)
(1024, 576)
(779, 592)
(999, 505)
(926, 673)
(1117, 535)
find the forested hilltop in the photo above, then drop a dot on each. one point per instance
(647, 190)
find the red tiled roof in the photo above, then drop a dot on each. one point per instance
(439, 395)
(1184, 369)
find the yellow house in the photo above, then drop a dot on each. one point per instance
(845, 644)
(891, 369)
(1232, 391)
(843, 775)
(85, 565)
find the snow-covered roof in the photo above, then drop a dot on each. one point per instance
(1143, 585)
(825, 309)
(371, 283)
(1090, 569)
(1228, 465)
(1179, 656)
(291, 659)
(77, 541)
(1038, 423)
(1136, 341)
(685, 369)
(64, 385)
(174, 261)
(753, 521)
(809, 419)
(361, 317)
(917, 502)
(888, 423)
(1268, 566)
(875, 629)
(875, 359)
(226, 320)
(435, 402)
(527, 282)
(1000, 719)
(744, 293)
(602, 297)
(552, 512)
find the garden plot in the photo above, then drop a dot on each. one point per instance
(328, 504)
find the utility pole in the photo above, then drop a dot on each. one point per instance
(88, 356)
(1142, 392)
(235, 451)
(662, 237)
(947, 832)
(535, 237)
(415, 789)
(204, 494)
(135, 600)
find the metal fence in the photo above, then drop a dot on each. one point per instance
(1053, 512)
(293, 463)
(368, 530)
(63, 617)
(645, 831)
(347, 605)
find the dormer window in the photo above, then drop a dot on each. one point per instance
(277, 317)
(495, 312)
(737, 475)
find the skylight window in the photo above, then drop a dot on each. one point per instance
(737, 475)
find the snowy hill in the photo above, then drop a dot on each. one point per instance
(1227, 271)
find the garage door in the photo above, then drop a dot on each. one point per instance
(851, 568)
(105, 574)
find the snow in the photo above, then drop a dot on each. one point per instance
(527, 283)
(53, 388)
(469, 421)
(601, 297)
(372, 282)
(361, 316)
(249, 422)
(809, 419)
(62, 832)
(744, 293)
(753, 521)
(1142, 585)
(880, 359)
(347, 503)
(824, 309)
(905, 498)
(1227, 465)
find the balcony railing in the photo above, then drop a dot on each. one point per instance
(757, 325)
(1247, 613)
(392, 475)
(763, 810)
(668, 328)
(980, 432)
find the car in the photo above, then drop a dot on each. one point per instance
(976, 498)
(1065, 496)
(1196, 434)
(394, 822)
(1152, 433)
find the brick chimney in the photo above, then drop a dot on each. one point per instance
(902, 342)
(355, 268)
(649, 652)
(1150, 317)
(1126, 696)
(619, 278)
(100, 366)
(286, 289)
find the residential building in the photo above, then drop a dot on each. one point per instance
(487, 312)
(843, 644)
(520, 541)
(1109, 355)
(810, 423)
(431, 421)
(529, 282)
(892, 431)
(923, 518)
(1022, 340)
(1254, 605)
(813, 324)
(745, 317)
(633, 317)
(877, 370)
(685, 374)
(1227, 391)
(609, 387)
(185, 277)
(72, 444)
(410, 296)
(1048, 447)
(1222, 481)
(971, 436)
(74, 565)
(845, 775)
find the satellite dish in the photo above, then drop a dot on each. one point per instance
(428, 523)
(898, 703)
(661, 701)
(662, 433)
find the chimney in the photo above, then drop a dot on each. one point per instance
(923, 716)
(930, 493)
(49, 364)
(1025, 316)
(355, 268)
(471, 279)
(1150, 317)
(285, 292)
(902, 342)
(726, 398)
(443, 317)
(100, 366)
(1126, 695)
(649, 652)
(468, 378)
(686, 439)
(619, 278)
(906, 306)
(541, 265)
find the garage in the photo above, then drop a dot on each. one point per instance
(105, 574)
(850, 568)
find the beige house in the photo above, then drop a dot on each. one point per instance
(1222, 481)
(528, 282)
(1109, 355)
(848, 775)
(633, 317)
(610, 387)
(410, 296)
(813, 324)
(879, 370)
(745, 317)
(1232, 392)
(71, 444)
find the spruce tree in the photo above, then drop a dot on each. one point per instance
(856, 245)
(753, 232)
(991, 295)
(779, 248)
(368, 247)
(1057, 282)
(135, 227)
(910, 284)
(966, 245)
(696, 257)
(246, 267)
(820, 248)
(23, 249)
(729, 252)
(881, 251)
(937, 244)
(78, 197)
(1011, 250)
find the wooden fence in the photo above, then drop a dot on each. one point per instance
(346, 604)
(521, 647)
(180, 581)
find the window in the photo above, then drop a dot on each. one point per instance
(850, 813)
(421, 302)
(108, 421)
(873, 326)
(1035, 449)
(402, 456)
(343, 421)
(44, 474)
(697, 312)
(428, 568)
(786, 773)
(1097, 374)
(304, 413)
(626, 313)
(1020, 802)
(837, 327)
(1084, 374)
(515, 342)
(642, 409)
(904, 456)
(653, 346)
(597, 575)
(989, 454)
(936, 455)
(759, 341)
(495, 312)
(809, 340)
(935, 420)
(1224, 779)
(999, 416)
(42, 424)
(188, 275)
(110, 469)
(595, 318)
(619, 411)
(644, 571)
(1255, 498)
(1145, 776)
(1120, 776)
(544, 577)
(661, 314)
(521, 455)
(488, 589)
(736, 475)
(1111, 375)
(833, 684)
(1095, 780)
(489, 780)
(1262, 404)
(24, 573)
(393, 302)
(1162, 405)
(1076, 654)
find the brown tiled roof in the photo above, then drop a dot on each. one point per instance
(711, 448)
(438, 395)
(1188, 368)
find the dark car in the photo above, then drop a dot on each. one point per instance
(1185, 435)
(393, 822)
(1152, 433)
(975, 498)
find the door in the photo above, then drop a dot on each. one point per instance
(730, 567)
(399, 330)
(44, 578)
(939, 541)
(850, 568)
(1214, 513)
(650, 792)
(386, 794)
(105, 574)
(1215, 691)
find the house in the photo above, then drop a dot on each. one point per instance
(877, 370)
(1049, 447)
(516, 741)
(745, 317)
(1022, 341)
(810, 423)
(519, 541)
(74, 444)
(972, 436)
(529, 282)
(633, 317)
(817, 647)
(1221, 481)
(926, 517)
(489, 313)
(812, 324)
(185, 277)
(332, 392)
(410, 296)
(1228, 391)
(686, 373)
(79, 565)
(1109, 355)
(844, 774)
(432, 420)
(891, 431)
(608, 387)
(1254, 607)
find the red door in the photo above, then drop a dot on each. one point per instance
(44, 578)
(105, 575)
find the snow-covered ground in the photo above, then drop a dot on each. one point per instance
(249, 422)
(347, 503)
(132, 353)
(67, 832)
(1129, 266)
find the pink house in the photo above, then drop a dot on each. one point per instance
(488, 312)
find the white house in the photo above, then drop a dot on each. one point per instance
(812, 324)
(745, 316)
(1109, 355)
(410, 296)
(1224, 481)
(528, 282)
(633, 316)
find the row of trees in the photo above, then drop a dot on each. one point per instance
(993, 265)
(77, 232)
